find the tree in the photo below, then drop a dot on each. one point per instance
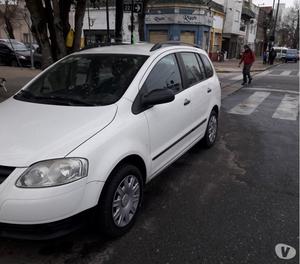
(50, 26)
(288, 30)
(9, 12)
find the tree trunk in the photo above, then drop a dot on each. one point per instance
(119, 21)
(39, 29)
(9, 27)
(58, 29)
(50, 18)
(79, 15)
(64, 7)
(296, 34)
(141, 19)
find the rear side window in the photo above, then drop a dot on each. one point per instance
(192, 69)
(207, 65)
(164, 75)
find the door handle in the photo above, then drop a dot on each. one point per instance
(208, 90)
(186, 101)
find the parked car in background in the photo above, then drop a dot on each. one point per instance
(280, 53)
(292, 55)
(94, 128)
(12, 50)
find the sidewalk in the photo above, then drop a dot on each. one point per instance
(232, 66)
(13, 72)
(16, 78)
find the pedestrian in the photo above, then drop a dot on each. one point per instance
(265, 57)
(248, 58)
(272, 56)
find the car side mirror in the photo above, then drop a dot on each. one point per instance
(158, 96)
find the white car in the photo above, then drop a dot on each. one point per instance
(90, 131)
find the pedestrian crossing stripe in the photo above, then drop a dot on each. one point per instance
(269, 73)
(271, 90)
(288, 108)
(264, 73)
(285, 73)
(249, 105)
(239, 77)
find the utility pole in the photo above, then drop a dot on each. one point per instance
(131, 29)
(274, 29)
(107, 24)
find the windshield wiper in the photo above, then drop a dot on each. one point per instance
(62, 100)
(24, 94)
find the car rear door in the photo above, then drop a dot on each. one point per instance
(169, 123)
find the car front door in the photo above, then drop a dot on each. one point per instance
(200, 90)
(5, 54)
(169, 123)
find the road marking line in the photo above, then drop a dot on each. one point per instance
(271, 90)
(285, 73)
(249, 105)
(288, 108)
(263, 73)
(236, 78)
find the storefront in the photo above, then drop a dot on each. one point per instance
(193, 28)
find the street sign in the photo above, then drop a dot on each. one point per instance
(137, 7)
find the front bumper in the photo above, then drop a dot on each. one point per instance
(34, 206)
(45, 231)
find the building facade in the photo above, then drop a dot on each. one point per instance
(178, 21)
(216, 30)
(263, 29)
(94, 28)
(248, 28)
(231, 30)
(17, 13)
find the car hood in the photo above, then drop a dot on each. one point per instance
(25, 53)
(32, 132)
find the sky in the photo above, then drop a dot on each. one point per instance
(287, 3)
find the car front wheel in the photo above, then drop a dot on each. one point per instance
(211, 130)
(120, 202)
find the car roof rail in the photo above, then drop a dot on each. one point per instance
(172, 43)
(103, 44)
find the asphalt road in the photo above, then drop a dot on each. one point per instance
(230, 204)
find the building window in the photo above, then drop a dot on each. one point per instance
(237, 16)
(243, 26)
(26, 38)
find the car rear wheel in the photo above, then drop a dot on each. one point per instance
(121, 200)
(211, 130)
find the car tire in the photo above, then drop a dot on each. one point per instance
(37, 65)
(14, 63)
(211, 130)
(120, 201)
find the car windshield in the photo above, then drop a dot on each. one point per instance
(86, 79)
(292, 51)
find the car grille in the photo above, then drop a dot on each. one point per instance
(5, 172)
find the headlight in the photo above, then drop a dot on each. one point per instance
(22, 57)
(53, 173)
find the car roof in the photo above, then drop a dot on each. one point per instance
(137, 49)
